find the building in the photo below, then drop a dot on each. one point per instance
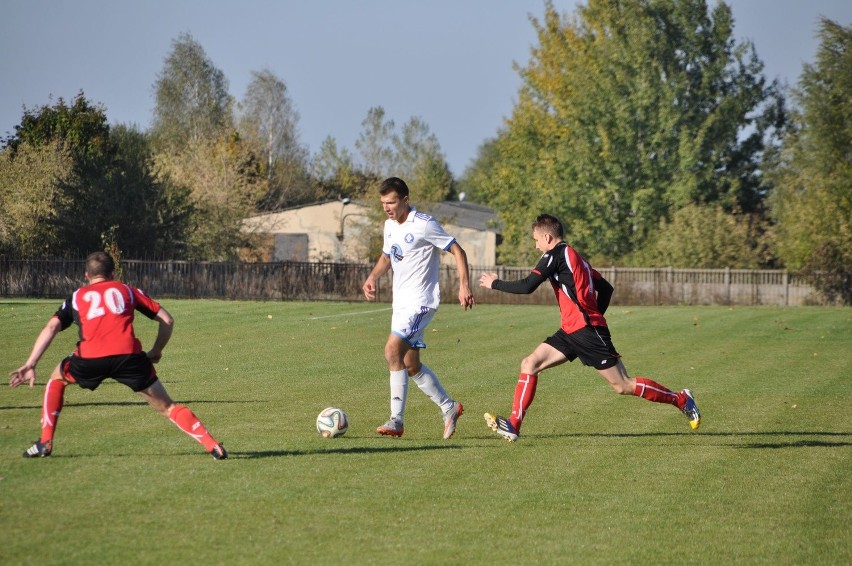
(337, 231)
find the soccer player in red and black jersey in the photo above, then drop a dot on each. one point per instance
(104, 311)
(583, 296)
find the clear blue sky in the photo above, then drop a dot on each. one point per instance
(447, 61)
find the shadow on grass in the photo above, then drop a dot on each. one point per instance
(844, 438)
(352, 450)
(132, 403)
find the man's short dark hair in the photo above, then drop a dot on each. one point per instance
(100, 264)
(394, 184)
(549, 224)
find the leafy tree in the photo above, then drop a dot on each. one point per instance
(812, 203)
(629, 111)
(192, 100)
(269, 120)
(153, 219)
(224, 182)
(707, 237)
(73, 179)
(420, 161)
(198, 150)
(374, 144)
(336, 172)
(33, 197)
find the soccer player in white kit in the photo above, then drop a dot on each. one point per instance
(412, 241)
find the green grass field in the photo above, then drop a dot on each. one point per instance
(596, 478)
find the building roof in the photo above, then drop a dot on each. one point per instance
(464, 214)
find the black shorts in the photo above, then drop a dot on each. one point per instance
(133, 370)
(592, 344)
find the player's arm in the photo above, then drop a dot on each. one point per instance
(604, 290)
(371, 283)
(466, 299)
(164, 333)
(523, 286)
(27, 371)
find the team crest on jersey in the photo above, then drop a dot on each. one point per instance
(396, 253)
(409, 238)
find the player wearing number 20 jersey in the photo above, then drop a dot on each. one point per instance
(104, 313)
(107, 349)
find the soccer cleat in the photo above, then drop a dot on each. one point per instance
(501, 426)
(690, 409)
(219, 452)
(391, 428)
(450, 419)
(39, 450)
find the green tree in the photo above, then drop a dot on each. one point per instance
(153, 216)
(420, 161)
(335, 171)
(812, 202)
(192, 100)
(269, 121)
(375, 144)
(707, 237)
(224, 182)
(33, 197)
(198, 150)
(629, 111)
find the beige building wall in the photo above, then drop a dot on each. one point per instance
(333, 233)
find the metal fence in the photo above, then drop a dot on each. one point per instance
(342, 282)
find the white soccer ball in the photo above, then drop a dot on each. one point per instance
(332, 422)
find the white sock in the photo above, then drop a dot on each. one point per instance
(399, 392)
(429, 384)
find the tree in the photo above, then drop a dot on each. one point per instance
(269, 120)
(192, 100)
(73, 179)
(32, 197)
(335, 170)
(628, 112)
(812, 201)
(374, 144)
(706, 237)
(199, 151)
(420, 161)
(224, 182)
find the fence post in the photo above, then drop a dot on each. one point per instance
(728, 285)
(786, 279)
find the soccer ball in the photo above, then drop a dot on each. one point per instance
(332, 422)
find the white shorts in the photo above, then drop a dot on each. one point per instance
(410, 323)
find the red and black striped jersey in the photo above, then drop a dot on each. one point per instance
(104, 314)
(581, 292)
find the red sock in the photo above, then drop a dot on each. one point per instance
(653, 391)
(189, 423)
(524, 395)
(54, 397)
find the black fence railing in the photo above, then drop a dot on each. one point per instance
(304, 281)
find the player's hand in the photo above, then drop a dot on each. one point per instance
(487, 279)
(155, 357)
(369, 289)
(466, 299)
(22, 374)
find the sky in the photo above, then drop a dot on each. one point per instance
(448, 62)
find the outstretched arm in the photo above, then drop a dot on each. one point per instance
(523, 286)
(466, 299)
(27, 371)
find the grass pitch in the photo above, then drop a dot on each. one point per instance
(596, 478)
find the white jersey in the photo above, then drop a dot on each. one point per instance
(413, 248)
